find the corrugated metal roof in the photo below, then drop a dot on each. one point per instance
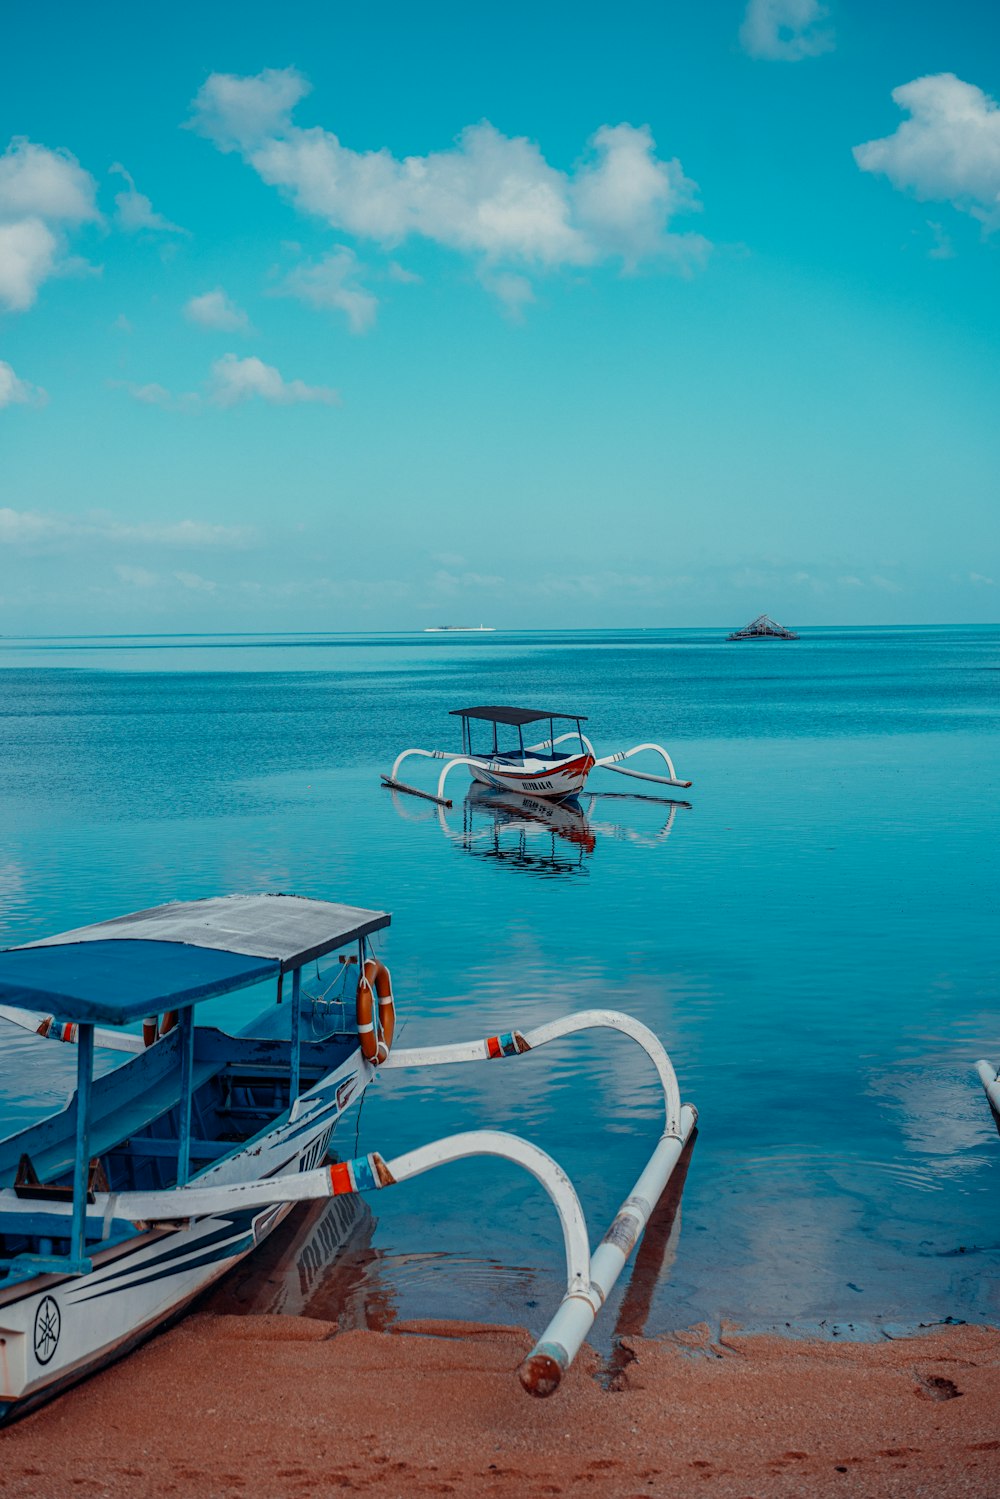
(290, 928)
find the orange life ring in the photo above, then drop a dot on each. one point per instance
(375, 980)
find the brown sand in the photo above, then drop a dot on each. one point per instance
(268, 1407)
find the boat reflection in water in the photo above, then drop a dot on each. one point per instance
(548, 839)
(319, 1263)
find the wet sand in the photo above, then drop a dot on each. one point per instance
(264, 1407)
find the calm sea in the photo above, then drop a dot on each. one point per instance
(814, 937)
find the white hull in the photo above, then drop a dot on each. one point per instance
(552, 779)
(56, 1329)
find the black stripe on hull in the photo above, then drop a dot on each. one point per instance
(13, 1410)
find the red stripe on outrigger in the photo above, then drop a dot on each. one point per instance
(341, 1179)
(493, 1046)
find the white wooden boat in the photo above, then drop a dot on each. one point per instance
(543, 769)
(164, 1172)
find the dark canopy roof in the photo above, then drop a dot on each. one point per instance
(513, 715)
(170, 956)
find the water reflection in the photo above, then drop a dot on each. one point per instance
(318, 1263)
(547, 839)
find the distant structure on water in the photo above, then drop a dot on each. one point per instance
(763, 627)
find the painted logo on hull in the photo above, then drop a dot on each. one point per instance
(48, 1325)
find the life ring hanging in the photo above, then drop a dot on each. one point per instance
(375, 980)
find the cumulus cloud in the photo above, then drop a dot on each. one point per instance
(785, 30)
(236, 380)
(491, 196)
(43, 195)
(949, 148)
(332, 283)
(17, 392)
(31, 527)
(214, 309)
(134, 212)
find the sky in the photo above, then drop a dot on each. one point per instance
(328, 317)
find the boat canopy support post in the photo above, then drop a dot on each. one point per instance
(79, 1263)
(989, 1076)
(610, 762)
(295, 1076)
(186, 1028)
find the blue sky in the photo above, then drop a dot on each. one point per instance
(329, 317)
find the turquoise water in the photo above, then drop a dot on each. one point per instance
(813, 935)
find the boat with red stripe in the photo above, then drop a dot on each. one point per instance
(555, 768)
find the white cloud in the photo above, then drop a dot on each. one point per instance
(134, 212)
(20, 526)
(491, 196)
(400, 274)
(238, 380)
(194, 535)
(785, 30)
(30, 527)
(982, 581)
(949, 148)
(43, 194)
(17, 392)
(214, 309)
(514, 291)
(195, 582)
(332, 283)
(38, 183)
(151, 394)
(235, 112)
(136, 577)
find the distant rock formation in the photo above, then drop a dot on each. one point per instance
(761, 627)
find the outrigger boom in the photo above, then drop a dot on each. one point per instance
(536, 769)
(165, 1172)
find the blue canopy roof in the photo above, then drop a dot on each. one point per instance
(117, 981)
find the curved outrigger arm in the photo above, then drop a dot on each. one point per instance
(589, 1277)
(989, 1076)
(610, 762)
(395, 784)
(515, 1043)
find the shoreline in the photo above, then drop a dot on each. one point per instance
(264, 1406)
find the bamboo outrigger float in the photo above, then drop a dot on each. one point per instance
(541, 769)
(163, 1173)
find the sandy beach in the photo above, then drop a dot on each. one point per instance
(264, 1407)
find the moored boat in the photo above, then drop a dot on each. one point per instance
(164, 1172)
(555, 768)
